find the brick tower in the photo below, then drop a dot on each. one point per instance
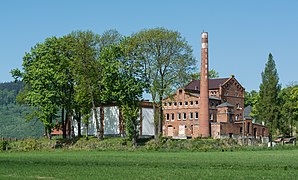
(204, 127)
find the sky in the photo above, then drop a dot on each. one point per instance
(241, 33)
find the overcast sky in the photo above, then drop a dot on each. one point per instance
(241, 33)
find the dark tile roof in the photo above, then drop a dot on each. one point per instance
(225, 104)
(247, 111)
(213, 84)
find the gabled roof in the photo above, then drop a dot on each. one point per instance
(225, 104)
(247, 111)
(213, 84)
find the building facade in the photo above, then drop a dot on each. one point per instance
(226, 111)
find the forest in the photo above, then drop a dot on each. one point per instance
(13, 122)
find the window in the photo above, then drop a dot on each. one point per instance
(168, 116)
(173, 116)
(237, 117)
(197, 102)
(175, 103)
(180, 91)
(184, 116)
(211, 116)
(191, 103)
(191, 115)
(180, 103)
(238, 106)
(185, 103)
(196, 115)
(165, 104)
(170, 103)
(179, 116)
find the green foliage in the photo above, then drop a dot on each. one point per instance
(13, 122)
(112, 144)
(267, 108)
(192, 145)
(196, 76)
(48, 81)
(251, 98)
(4, 145)
(166, 59)
(288, 110)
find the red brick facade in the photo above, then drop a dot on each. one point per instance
(226, 109)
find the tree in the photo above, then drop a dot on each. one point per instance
(47, 79)
(122, 83)
(196, 76)
(92, 88)
(288, 110)
(250, 98)
(267, 107)
(86, 72)
(167, 61)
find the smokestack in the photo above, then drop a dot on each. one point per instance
(204, 129)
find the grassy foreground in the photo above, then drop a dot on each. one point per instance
(274, 164)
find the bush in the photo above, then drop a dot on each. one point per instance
(4, 145)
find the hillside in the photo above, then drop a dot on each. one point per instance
(12, 115)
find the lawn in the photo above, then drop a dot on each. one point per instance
(274, 164)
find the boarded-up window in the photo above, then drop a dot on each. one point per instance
(182, 130)
(170, 131)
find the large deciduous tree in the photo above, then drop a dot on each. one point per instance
(167, 61)
(288, 110)
(86, 72)
(267, 107)
(92, 86)
(48, 81)
(122, 81)
(251, 98)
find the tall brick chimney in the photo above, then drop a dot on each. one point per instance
(204, 126)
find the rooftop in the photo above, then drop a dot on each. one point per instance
(213, 84)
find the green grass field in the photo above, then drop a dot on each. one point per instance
(274, 164)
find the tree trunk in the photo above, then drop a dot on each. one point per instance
(79, 124)
(87, 129)
(96, 121)
(155, 115)
(160, 118)
(63, 124)
(68, 123)
(134, 139)
(101, 131)
(50, 128)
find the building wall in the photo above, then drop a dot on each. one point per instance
(113, 121)
(233, 93)
(221, 126)
(187, 106)
(148, 128)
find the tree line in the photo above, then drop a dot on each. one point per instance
(276, 107)
(74, 74)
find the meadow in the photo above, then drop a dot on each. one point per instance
(267, 164)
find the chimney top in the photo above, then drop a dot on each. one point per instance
(204, 35)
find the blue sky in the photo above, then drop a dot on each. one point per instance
(241, 33)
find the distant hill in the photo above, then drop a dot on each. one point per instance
(12, 115)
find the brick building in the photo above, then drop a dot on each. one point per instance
(209, 108)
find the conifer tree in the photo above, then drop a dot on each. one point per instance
(267, 107)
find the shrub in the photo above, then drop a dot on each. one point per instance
(4, 145)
